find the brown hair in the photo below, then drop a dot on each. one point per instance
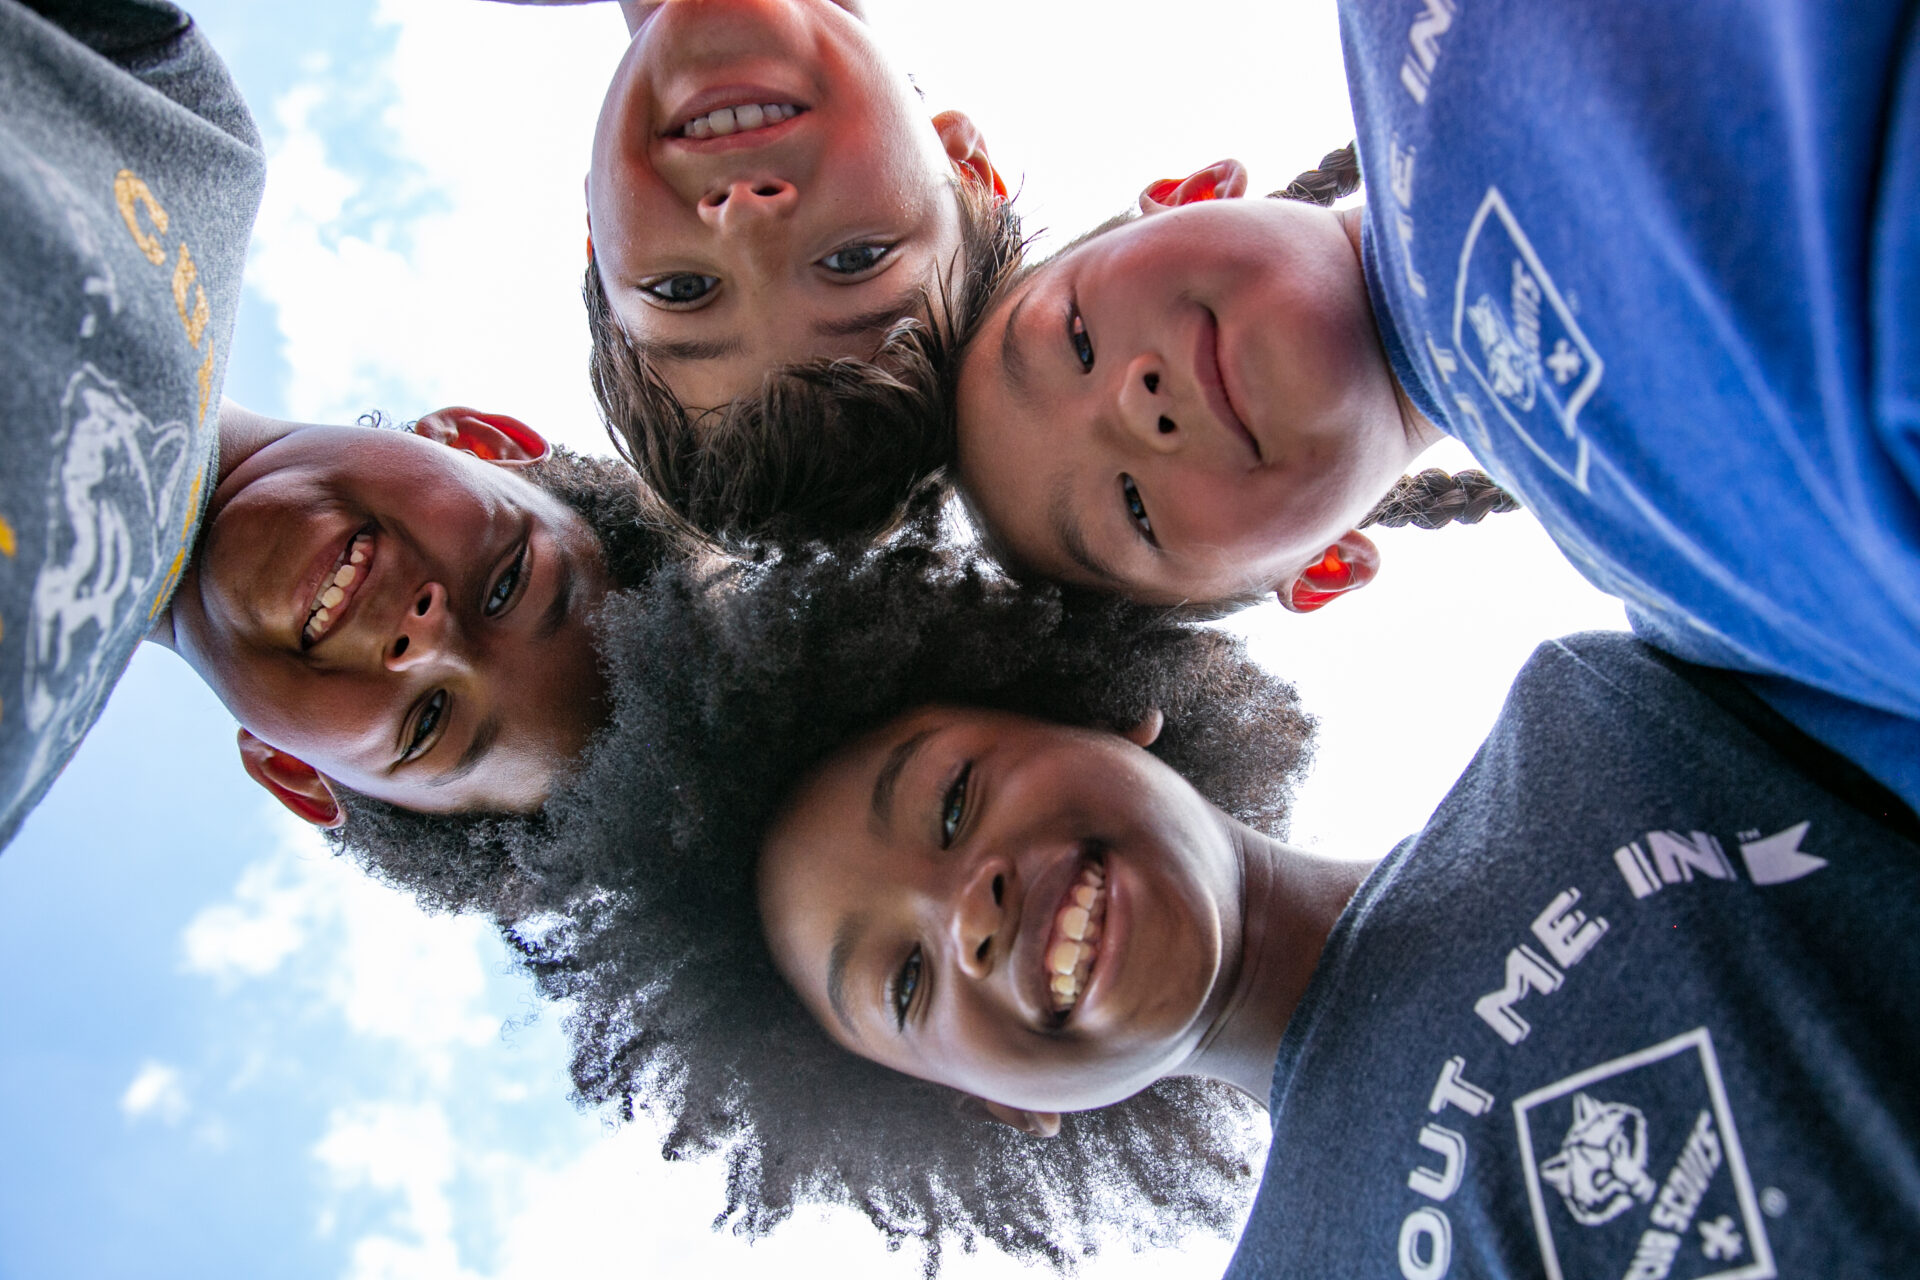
(828, 447)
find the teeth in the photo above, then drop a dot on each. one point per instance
(1076, 931)
(1073, 923)
(718, 124)
(336, 589)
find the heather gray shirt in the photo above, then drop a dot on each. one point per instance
(1638, 1002)
(130, 173)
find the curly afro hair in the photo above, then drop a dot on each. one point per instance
(632, 894)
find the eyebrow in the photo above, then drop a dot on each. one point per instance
(691, 348)
(889, 776)
(1013, 361)
(844, 942)
(556, 613)
(878, 318)
(483, 739)
(1066, 527)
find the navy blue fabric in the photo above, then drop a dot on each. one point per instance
(1637, 1002)
(1657, 265)
(130, 172)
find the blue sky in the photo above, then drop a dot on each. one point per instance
(226, 1054)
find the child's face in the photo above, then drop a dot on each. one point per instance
(455, 670)
(729, 254)
(916, 889)
(1191, 406)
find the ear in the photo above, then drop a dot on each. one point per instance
(967, 148)
(1221, 180)
(1147, 732)
(292, 781)
(1348, 565)
(1035, 1124)
(490, 437)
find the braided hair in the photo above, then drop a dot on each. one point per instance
(1432, 498)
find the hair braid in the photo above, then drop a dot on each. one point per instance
(1337, 175)
(1433, 498)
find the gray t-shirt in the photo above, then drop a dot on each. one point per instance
(130, 173)
(1638, 1002)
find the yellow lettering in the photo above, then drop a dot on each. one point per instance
(129, 190)
(187, 276)
(205, 377)
(180, 556)
(8, 543)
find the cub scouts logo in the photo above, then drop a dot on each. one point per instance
(1602, 1166)
(1646, 1180)
(1526, 351)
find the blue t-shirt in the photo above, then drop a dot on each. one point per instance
(1639, 1001)
(129, 176)
(1657, 265)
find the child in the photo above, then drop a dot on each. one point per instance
(1650, 926)
(1678, 342)
(766, 196)
(385, 615)
(403, 615)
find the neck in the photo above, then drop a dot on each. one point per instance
(1415, 426)
(243, 433)
(1292, 899)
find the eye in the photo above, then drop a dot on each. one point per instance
(433, 713)
(680, 290)
(905, 984)
(508, 584)
(1077, 337)
(1136, 509)
(953, 807)
(856, 258)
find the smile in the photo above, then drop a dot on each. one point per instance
(741, 119)
(1206, 367)
(330, 602)
(1074, 944)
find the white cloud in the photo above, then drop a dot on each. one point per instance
(156, 1092)
(476, 300)
(388, 970)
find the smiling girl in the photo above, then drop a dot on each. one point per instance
(881, 851)
(1653, 264)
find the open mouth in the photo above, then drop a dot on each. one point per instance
(1074, 944)
(745, 118)
(330, 602)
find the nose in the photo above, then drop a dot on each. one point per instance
(978, 917)
(1147, 411)
(424, 631)
(748, 204)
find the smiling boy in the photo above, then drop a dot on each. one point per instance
(399, 615)
(403, 614)
(766, 195)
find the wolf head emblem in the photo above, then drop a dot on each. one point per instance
(1602, 1166)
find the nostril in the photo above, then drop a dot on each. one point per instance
(1166, 426)
(766, 189)
(999, 889)
(399, 646)
(1153, 383)
(426, 602)
(980, 952)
